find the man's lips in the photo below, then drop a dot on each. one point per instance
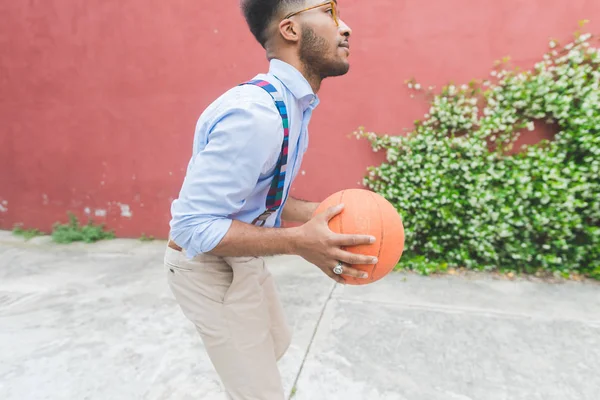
(346, 46)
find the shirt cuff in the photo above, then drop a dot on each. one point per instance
(203, 241)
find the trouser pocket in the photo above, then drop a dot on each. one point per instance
(246, 307)
(199, 285)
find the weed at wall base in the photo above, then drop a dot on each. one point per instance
(74, 232)
(27, 234)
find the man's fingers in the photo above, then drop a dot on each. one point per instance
(338, 279)
(353, 240)
(355, 273)
(333, 211)
(355, 259)
(329, 272)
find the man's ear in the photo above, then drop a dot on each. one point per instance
(289, 30)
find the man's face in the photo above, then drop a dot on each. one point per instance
(324, 44)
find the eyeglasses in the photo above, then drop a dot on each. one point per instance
(332, 4)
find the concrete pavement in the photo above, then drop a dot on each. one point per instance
(98, 322)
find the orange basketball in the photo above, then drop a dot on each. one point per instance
(368, 213)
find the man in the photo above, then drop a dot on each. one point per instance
(248, 148)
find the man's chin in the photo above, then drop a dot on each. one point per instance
(339, 70)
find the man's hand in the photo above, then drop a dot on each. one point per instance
(313, 241)
(317, 244)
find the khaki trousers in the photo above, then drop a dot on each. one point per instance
(235, 307)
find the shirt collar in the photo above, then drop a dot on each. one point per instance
(295, 82)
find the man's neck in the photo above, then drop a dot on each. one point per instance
(313, 79)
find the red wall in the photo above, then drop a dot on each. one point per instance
(98, 99)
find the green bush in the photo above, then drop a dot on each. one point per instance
(73, 232)
(468, 201)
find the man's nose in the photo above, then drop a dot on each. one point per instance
(345, 29)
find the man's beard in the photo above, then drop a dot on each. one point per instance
(314, 52)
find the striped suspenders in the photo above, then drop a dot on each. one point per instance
(275, 195)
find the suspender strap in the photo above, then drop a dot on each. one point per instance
(275, 195)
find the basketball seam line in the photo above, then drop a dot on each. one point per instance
(342, 224)
(381, 243)
(342, 219)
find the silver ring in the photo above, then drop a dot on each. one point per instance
(338, 269)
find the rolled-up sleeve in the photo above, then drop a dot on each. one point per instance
(224, 173)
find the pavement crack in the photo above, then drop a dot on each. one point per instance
(318, 324)
(485, 312)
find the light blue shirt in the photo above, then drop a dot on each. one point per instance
(237, 143)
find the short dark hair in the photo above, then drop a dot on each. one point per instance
(260, 13)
